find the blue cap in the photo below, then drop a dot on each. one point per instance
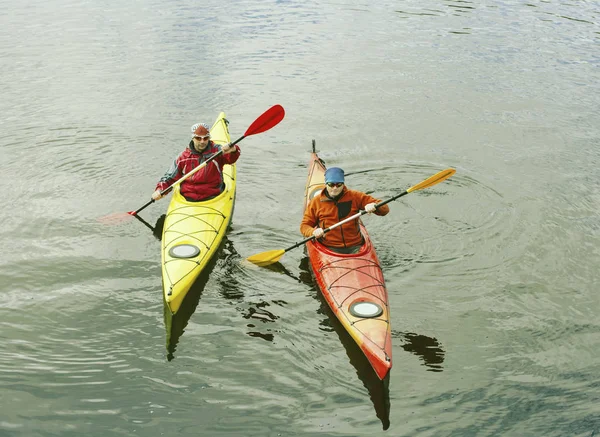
(334, 174)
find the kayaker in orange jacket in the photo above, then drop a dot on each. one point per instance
(332, 205)
(206, 183)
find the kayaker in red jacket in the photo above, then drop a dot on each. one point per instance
(332, 205)
(206, 183)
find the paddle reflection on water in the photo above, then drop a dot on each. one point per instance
(305, 275)
(280, 268)
(157, 228)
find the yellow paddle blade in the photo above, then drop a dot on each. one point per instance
(266, 258)
(435, 179)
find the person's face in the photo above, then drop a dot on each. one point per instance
(334, 188)
(200, 143)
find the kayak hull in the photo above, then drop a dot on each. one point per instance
(351, 282)
(193, 231)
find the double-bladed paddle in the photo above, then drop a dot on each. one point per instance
(272, 256)
(270, 118)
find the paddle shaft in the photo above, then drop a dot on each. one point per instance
(346, 220)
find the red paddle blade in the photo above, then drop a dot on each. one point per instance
(117, 218)
(270, 118)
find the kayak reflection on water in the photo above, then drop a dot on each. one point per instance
(258, 314)
(427, 348)
(378, 390)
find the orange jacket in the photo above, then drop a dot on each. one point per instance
(322, 212)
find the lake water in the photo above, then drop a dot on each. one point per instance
(492, 275)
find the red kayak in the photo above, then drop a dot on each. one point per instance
(353, 286)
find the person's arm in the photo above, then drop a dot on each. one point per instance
(172, 175)
(309, 221)
(230, 153)
(367, 200)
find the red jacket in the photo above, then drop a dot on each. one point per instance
(207, 182)
(322, 212)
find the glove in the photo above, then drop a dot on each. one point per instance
(157, 195)
(318, 233)
(370, 207)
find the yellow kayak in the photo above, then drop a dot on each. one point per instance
(193, 231)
